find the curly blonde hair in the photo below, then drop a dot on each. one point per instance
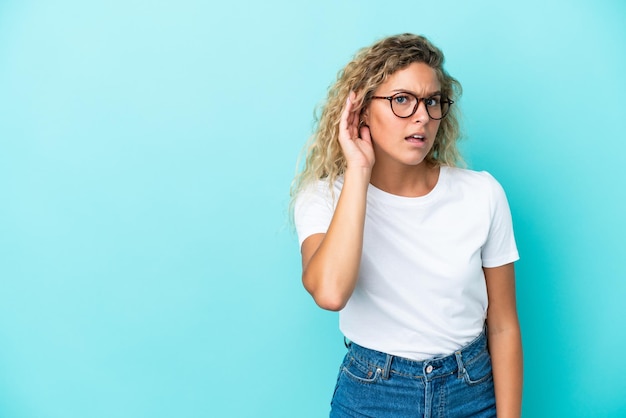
(371, 67)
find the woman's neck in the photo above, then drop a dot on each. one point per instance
(411, 181)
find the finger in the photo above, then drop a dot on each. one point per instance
(348, 123)
(345, 120)
(354, 118)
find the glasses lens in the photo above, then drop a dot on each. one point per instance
(445, 107)
(435, 107)
(403, 104)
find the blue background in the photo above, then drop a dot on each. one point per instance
(147, 267)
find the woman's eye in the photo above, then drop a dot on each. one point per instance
(433, 101)
(401, 100)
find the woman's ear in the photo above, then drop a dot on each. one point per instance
(364, 118)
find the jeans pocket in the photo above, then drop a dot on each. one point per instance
(361, 372)
(478, 369)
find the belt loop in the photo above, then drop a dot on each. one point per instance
(459, 363)
(486, 335)
(347, 342)
(387, 368)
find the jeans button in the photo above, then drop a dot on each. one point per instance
(429, 369)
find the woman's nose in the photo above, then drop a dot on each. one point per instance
(421, 114)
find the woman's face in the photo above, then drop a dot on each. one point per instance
(403, 141)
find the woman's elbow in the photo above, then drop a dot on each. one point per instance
(325, 297)
(330, 302)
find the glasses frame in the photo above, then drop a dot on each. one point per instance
(417, 104)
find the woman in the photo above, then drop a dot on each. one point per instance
(415, 253)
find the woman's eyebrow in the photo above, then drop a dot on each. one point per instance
(415, 94)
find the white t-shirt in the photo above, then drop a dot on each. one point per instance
(421, 290)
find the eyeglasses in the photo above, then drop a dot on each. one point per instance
(404, 105)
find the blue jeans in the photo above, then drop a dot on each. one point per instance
(375, 384)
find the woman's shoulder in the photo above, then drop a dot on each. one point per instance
(320, 189)
(322, 186)
(472, 182)
(470, 177)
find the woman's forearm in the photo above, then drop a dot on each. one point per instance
(505, 347)
(331, 272)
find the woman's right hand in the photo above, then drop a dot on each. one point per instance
(354, 137)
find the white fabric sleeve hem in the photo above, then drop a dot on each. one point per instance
(313, 211)
(501, 261)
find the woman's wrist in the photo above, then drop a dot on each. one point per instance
(358, 174)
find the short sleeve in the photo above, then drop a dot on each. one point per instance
(313, 210)
(500, 247)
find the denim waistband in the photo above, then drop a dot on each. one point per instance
(427, 369)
